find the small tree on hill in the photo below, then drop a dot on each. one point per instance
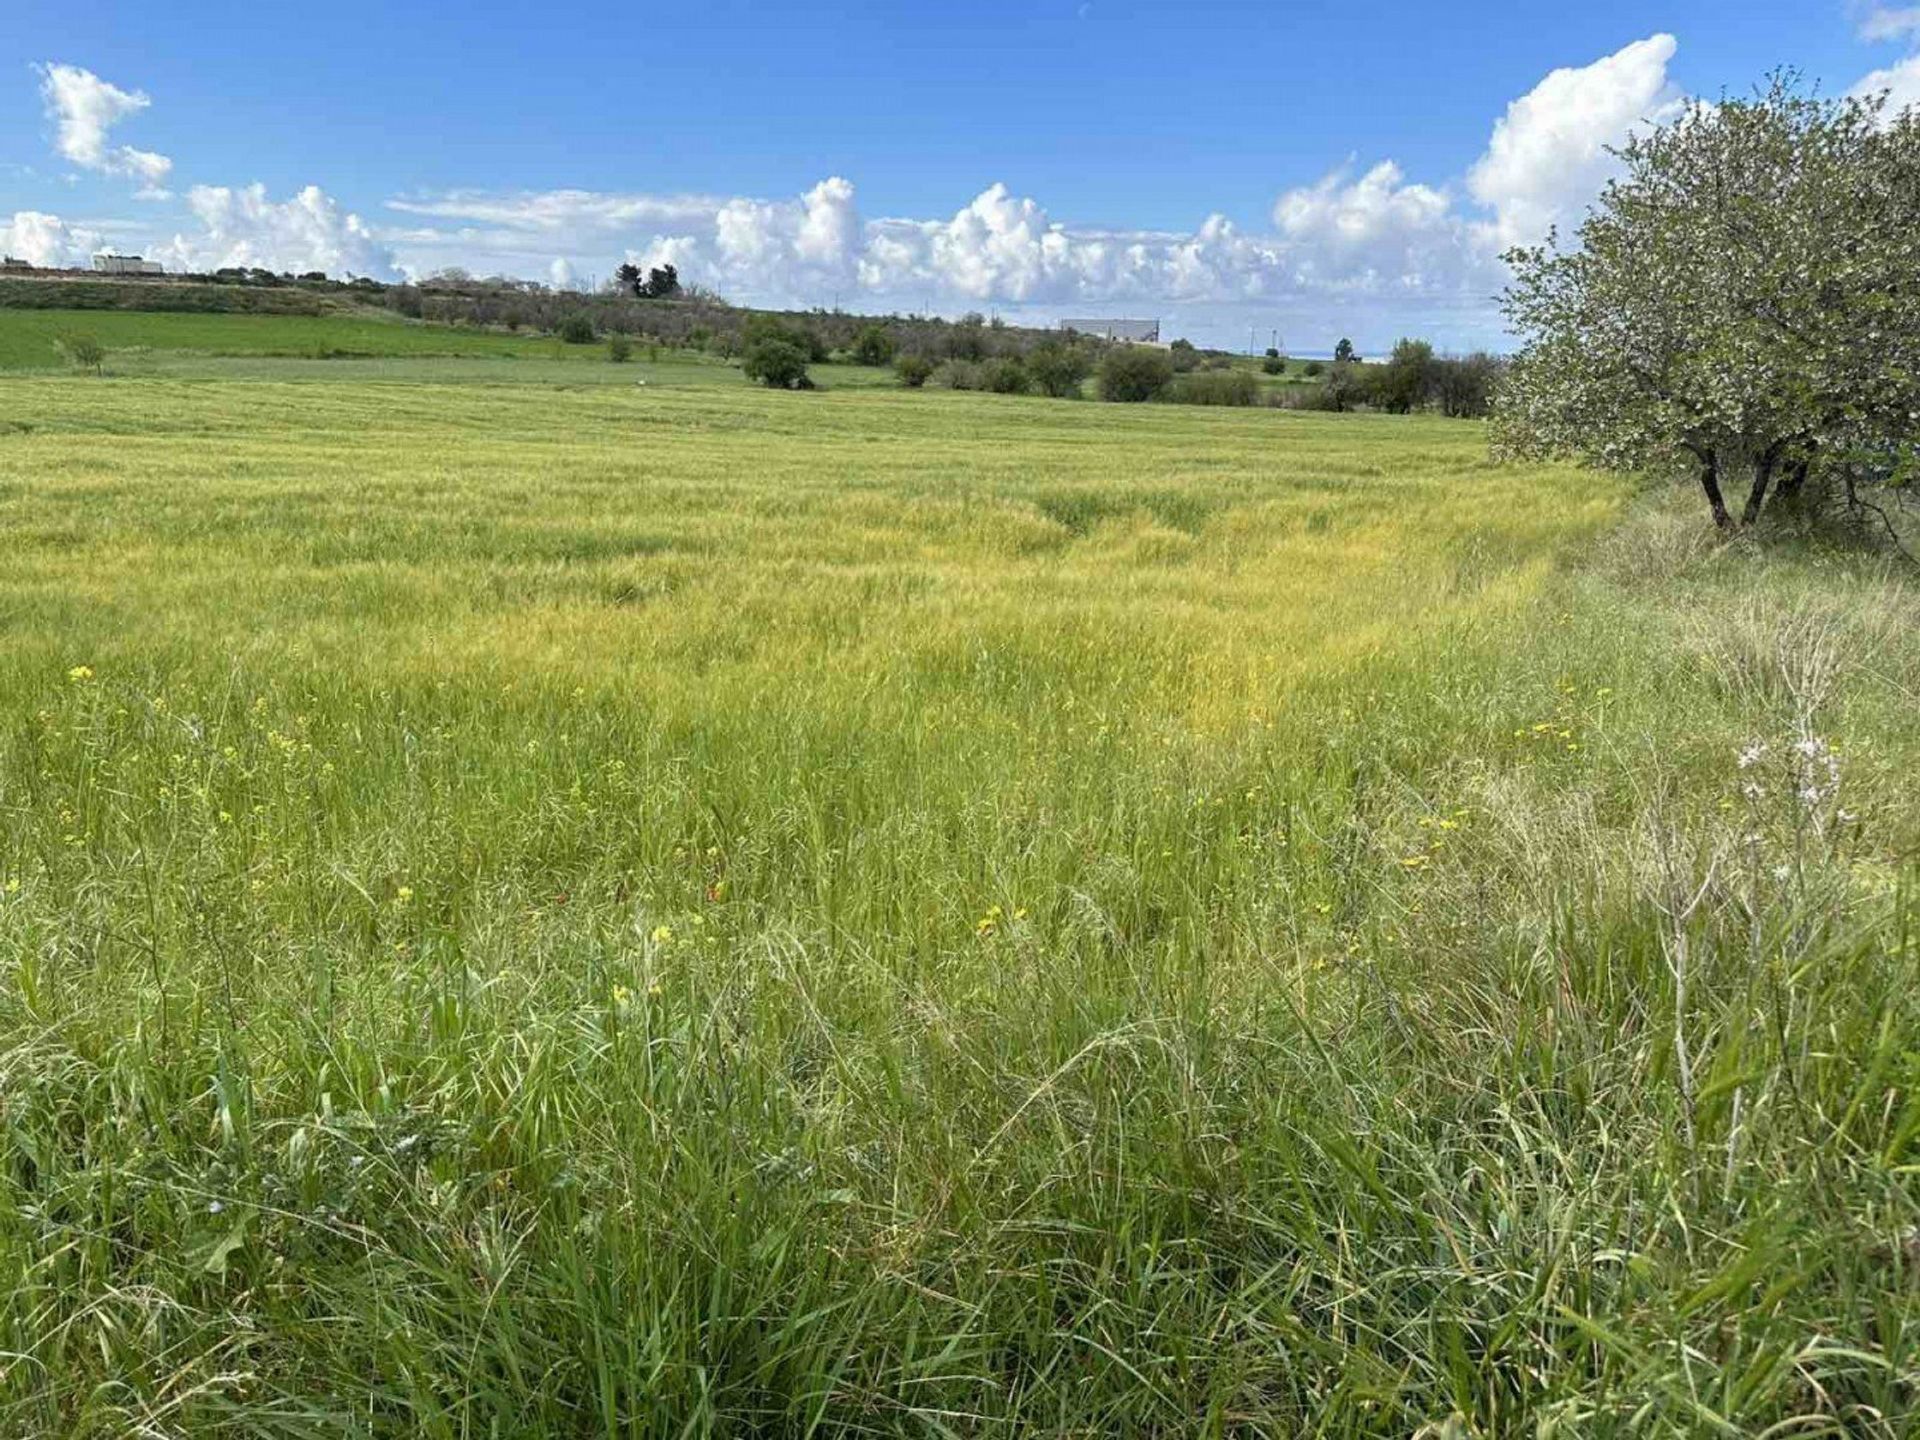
(967, 340)
(874, 345)
(1059, 368)
(776, 363)
(1406, 382)
(83, 351)
(1743, 306)
(1132, 373)
(1343, 352)
(577, 329)
(1184, 356)
(660, 282)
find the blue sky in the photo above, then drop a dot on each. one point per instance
(1228, 166)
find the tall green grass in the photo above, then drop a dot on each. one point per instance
(535, 911)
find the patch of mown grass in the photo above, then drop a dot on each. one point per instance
(27, 336)
(625, 912)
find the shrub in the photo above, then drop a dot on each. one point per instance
(1464, 387)
(1314, 369)
(1406, 382)
(1059, 368)
(1005, 376)
(619, 349)
(961, 375)
(777, 364)
(874, 346)
(83, 352)
(1309, 397)
(968, 339)
(1183, 356)
(801, 337)
(1346, 386)
(1214, 387)
(1132, 373)
(577, 329)
(913, 370)
(1274, 365)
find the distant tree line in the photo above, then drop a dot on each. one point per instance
(1412, 379)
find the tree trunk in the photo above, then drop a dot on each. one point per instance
(1710, 482)
(1792, 485)
(1762, 477)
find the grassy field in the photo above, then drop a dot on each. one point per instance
(27, 338)
(598, 910)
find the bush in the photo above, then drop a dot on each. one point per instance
(1406, 382)
(1005, 376)
(801, 337)
(1059, 368)
(83, 352)
(577, 329)
(1309, 397)
(1132, 373)
(1214, 387)
(1274, 365)
(968, 339)
(961, 375)
(1314, 369)
(874, 346)
(1184, 356)
(1346, 386)
(913, 370)
(777, 364)
(619, 349)
(1464, 387)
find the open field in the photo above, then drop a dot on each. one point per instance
(27, 337)
(580, 909)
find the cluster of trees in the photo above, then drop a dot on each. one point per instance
(1742, 309)
(1413, 378)
(777, 353)
(1060, 366)
(1056, 365)
(661, 282)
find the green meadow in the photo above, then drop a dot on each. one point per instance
(536, 906)
(135, 338)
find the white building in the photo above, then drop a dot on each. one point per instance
(1132, 332)
(109, 264)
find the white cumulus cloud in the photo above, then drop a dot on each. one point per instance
(84, 109)
(1900, 83)
(1368, 233)
(1549, 153)
(1378, 233)
(246, 227)
(42, 239)
(1888, 22)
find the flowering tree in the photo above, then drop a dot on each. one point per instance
(1743, 305)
